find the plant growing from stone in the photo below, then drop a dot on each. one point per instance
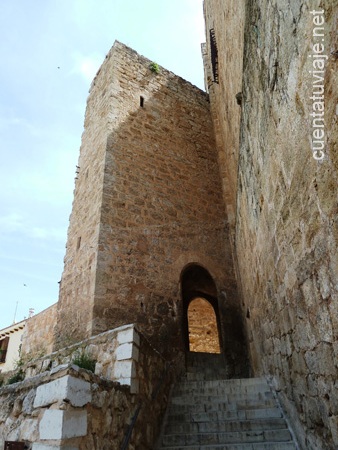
(84, 361)
(154, 67)
(18, 376)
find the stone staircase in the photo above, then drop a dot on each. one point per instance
(209, 412)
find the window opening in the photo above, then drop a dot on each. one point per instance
(78, 245)
(3, 349)
(214, 55)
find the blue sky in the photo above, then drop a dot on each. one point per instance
(50, 50)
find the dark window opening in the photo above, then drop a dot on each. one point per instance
(3, 349)
(78, 245)
(214, 55)
(142, 101)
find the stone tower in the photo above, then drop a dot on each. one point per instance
(148, 230)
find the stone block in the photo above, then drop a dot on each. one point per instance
(27, 404)
(56, 424)
(320, 361)
(75, 390)
(29, 430)
(59, 368)
(333, 423)
(323, 322)
(305, 337)
(124, 369)
(128, 335)
(127, 351)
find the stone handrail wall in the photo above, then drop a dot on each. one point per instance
(116, 353)
(89, 411)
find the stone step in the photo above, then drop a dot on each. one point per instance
(237, 437)
(217, 386)
(252, 446)
(186, 404)
(217, 390)
(209, 412)
(204, 359)
(200, 376)
(235, 383)
(211, 416)
(174, 427)
(219, 396)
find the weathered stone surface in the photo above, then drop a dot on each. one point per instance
(38, 338)
(285, 235)
(56, 424)
(75, 391)
(27, 404)
(127, 351)
(102, 410)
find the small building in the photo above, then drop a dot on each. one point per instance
(10, 341)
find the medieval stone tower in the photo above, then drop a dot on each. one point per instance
(148, 230)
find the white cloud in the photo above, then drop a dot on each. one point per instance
(58, 234)
(87, 66)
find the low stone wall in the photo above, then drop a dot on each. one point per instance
(88, 411)
(116, 353)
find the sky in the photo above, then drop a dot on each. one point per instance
(50, 51)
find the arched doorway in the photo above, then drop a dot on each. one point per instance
(201, 321)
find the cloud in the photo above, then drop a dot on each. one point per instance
(14, 223)
(58, 234)
(87, 66)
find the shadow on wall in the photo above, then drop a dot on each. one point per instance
(210, 323)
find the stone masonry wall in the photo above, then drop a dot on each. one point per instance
(287, 229)
(159, 209)
(38, 338)
(226, 20)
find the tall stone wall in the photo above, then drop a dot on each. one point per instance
(286, 216)
(148, 202)
(286, 224)
(225, 21)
